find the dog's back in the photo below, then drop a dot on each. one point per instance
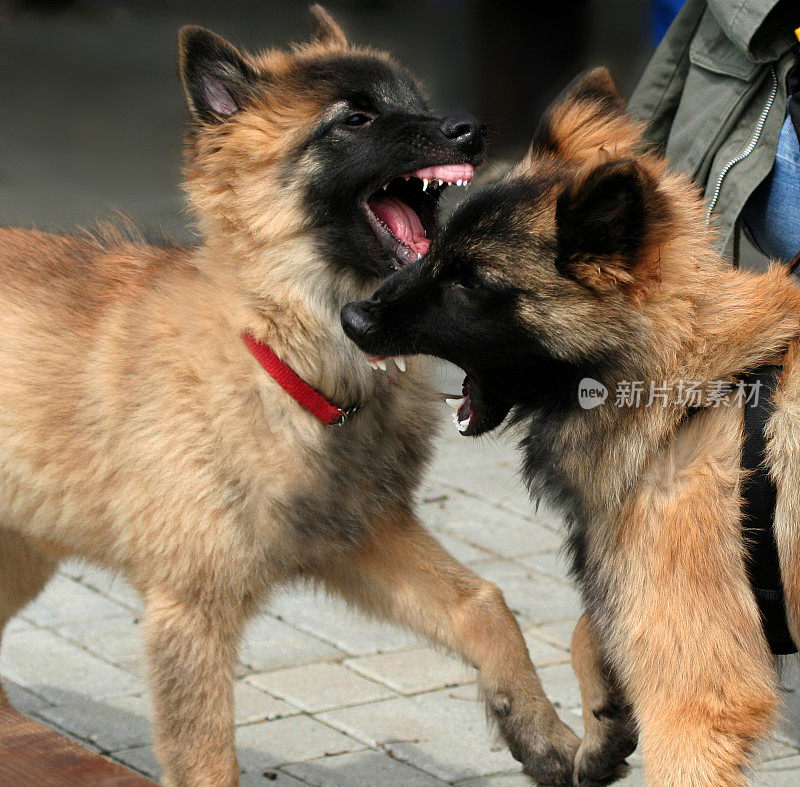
(100, 373)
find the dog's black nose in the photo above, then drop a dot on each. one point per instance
(465, 130)
(355, 321)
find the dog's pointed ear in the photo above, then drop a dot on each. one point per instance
(326, 31)
(603, 222)
(216, 79)
(587, 119)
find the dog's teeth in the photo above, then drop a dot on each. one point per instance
(424, 184)
(385, 186)
(459, 183)
(373, 364)
(419, 256)
(460, 425)
(381, 365)
(456, 403)
(440, 182)
(401, 362)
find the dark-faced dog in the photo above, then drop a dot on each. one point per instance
(587, 272)
(139, 430)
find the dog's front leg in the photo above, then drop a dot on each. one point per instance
(191, 649)
(679, 620)
(610, 733)
(403, 575)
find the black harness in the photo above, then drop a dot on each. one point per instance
(758, 515)
(758, 512)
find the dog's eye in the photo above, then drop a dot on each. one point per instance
(357, 119)
(466, 281)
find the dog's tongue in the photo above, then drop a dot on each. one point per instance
(402, 221)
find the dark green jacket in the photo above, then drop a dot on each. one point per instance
(714, 96)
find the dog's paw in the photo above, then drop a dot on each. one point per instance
(550, 764)
(545, 746)
(601, 757)
(583, 774)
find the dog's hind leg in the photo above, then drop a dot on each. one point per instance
(609, 727)
(25, 569)
(403, 575)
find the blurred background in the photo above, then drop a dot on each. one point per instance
(91, 112)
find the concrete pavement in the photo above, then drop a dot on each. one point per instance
(324, 697)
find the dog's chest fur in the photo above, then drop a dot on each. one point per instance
(135, 426)
(364, 468)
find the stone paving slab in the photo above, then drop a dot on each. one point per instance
(104, 582)
(141, 758)
(364, 767)
(18, 624)
(251, 704)
(23, 700)
(414, 670)
(117, 640)
(269, 778)
(65, 600)
(558, 633)
(552, 563)
(544, 653)
(330, 620)
(487, 527)
(560, 685)
(533, 597)
(271, 644)
(780, 773)
(319, 687)
(58, 671)
(288, 740)
(438, 732)
(111, 724)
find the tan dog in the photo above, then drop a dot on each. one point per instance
(589, 266)
(138, 431)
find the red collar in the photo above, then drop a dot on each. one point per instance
(295, 386)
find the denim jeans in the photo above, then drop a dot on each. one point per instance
(772, 214)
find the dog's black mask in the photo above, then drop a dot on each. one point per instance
(371, 161)
(448, 307)
(379, 161)
(495, 294)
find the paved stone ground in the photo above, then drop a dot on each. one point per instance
(323, 696)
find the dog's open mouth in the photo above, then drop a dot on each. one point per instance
(478, 409)
(403, 213)
(474, 413)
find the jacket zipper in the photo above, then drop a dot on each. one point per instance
(751, 145)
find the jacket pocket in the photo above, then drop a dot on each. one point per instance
(719, 82)
(713, 51)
